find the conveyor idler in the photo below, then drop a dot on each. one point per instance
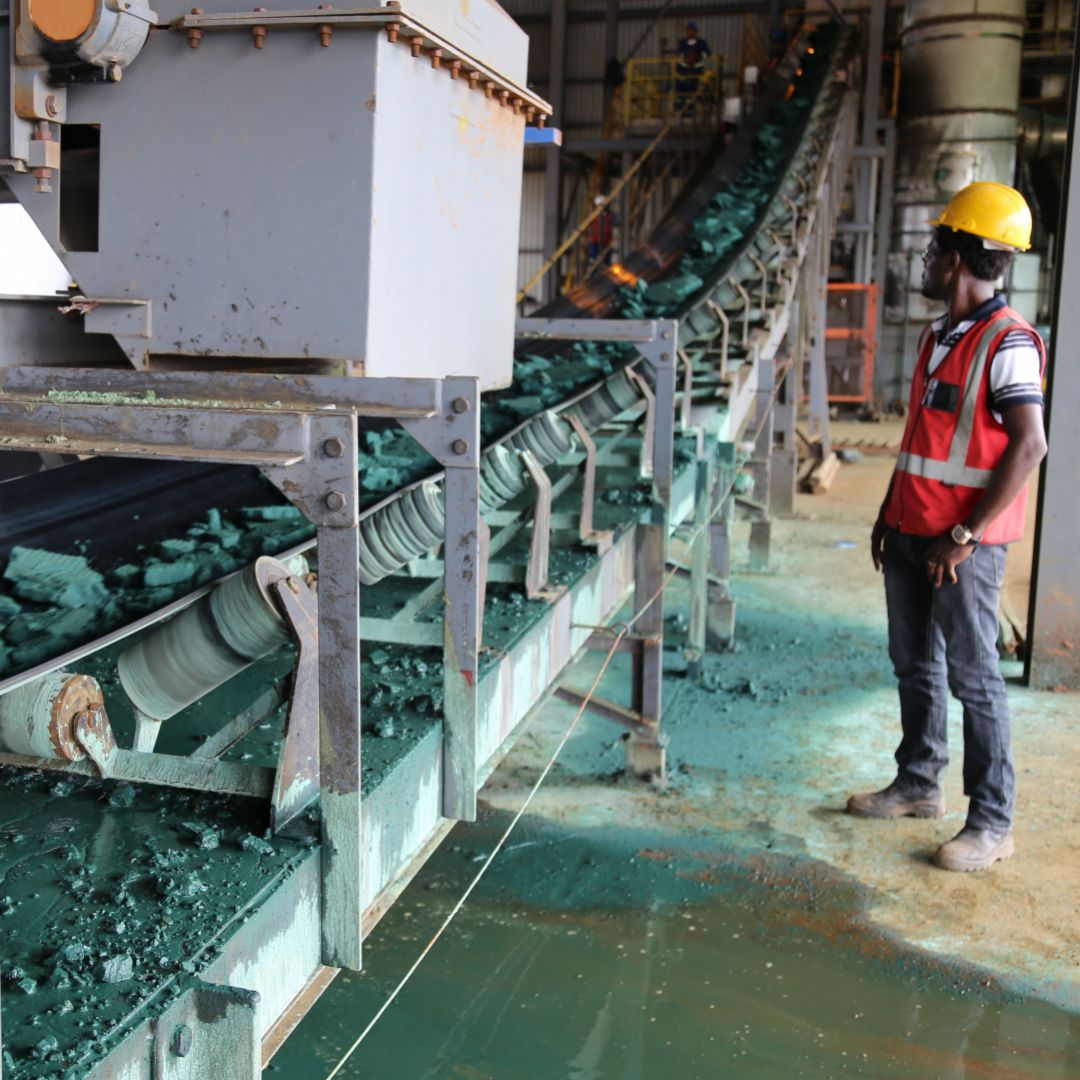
(183, 659)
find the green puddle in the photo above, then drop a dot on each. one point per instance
(603, 955)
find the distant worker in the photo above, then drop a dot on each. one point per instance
(957, 498)
(601, 232)
(690, 67)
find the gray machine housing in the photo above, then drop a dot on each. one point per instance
(319, 202)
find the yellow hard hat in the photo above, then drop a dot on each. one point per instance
(996, 213)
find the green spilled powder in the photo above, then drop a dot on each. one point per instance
(593, 952)
(112, 897)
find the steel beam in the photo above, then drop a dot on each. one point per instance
(721, 604)
(553, 165)
(816, 297)
(1054, 618)
(326, 489)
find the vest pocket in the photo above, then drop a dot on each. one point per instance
(942, 396)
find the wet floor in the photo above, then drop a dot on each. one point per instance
(599, 954)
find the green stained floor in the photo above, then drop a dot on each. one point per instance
(737, 923)
(599, 954)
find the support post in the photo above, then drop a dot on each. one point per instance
(868, 174)
(1054, 619)
(881, 258)
(721, 608)
(761, 467)
(785, 457)
(461, 642)
(817, 281)
(453, 438)
(699, 568)
(646, 757)
(611, 49)
(553, 165)
(325, 487)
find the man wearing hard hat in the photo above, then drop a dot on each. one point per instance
(957, 498)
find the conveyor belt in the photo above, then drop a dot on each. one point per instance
(112, 510)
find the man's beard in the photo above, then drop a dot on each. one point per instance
(929, 292)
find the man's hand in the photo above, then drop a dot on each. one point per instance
(944, 557)
(877, 541)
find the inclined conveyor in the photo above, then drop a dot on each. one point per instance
(167, 906)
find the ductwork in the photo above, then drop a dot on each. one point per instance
(1042, 134)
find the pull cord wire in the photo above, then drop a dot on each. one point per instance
(625, 629)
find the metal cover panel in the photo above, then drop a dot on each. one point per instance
(351, 222)
(479, 27)
(447, 203)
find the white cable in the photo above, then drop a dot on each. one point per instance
(483, 869)
(616, 641)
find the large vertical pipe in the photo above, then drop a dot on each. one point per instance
(553, 168)
(960, 89)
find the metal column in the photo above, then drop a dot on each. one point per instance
(721, 610)
(816, 298)
(611, 48)
(553, 167)
(783, 481)
(868, 158)
(1054, 619)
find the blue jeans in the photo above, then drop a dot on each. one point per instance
(941, 640)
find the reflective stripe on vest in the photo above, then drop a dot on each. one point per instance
(955, 470)
(945, 471)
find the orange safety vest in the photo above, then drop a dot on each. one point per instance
(952, 442)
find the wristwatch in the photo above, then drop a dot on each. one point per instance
(962, 536)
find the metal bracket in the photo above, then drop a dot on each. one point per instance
(648, 436)
(687, 391)
(94, 734)
(586, 532)
(537, 582)
(738, 287)
(764, 270)
(793, 206)
(725, 335)
(209, 1030)
(451, 435)
(296, 784)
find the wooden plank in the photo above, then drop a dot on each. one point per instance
(823, 474)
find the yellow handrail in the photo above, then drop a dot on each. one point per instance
(656, 90)
(576, 235)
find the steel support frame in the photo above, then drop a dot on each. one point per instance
(302, 433)
(777, 393)
(657, 341)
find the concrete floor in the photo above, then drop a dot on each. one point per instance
(764, 755)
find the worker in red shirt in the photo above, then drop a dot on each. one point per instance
(601, 232)
(957, 498)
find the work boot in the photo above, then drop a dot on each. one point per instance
(973, 849)
(894, 802)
